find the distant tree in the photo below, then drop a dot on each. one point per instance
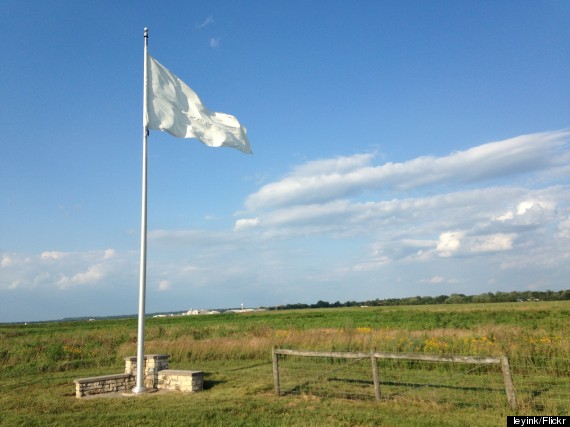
(442, 299)
(456, 299)
(297, 306)
(483, 298)
(411, 301)
(321, 304)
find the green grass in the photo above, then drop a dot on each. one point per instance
(230, 398)
(38, 363)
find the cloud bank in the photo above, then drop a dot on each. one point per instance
(330, 179)
(493, 217)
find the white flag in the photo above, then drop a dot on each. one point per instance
(175, 108)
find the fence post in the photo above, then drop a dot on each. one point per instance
(375, 376)
(276, 373)
(510, 389)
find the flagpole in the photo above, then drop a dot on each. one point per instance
(140, 387)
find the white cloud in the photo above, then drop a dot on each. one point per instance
(61, 270)
(93, 274)
(492, 243)
(528, 212)
(109, 253)
(7, 261)
(215, 42)
(434, 280)
(309, 214)
(459, 243)
(564, 229)
(466, 214)
(208, 21)
(164, 285)
(373, 264)
(343, 217)
(341, 164)
(242, 224)
(326, 180)
(449, 243)
(53, 255)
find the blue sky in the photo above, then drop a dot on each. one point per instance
(401, 148)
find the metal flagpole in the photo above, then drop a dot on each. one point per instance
(140, 388)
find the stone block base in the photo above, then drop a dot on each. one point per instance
(153, 364)
(104, 384)
(190, 381)
(156, 376)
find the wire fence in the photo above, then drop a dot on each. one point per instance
(457, 381)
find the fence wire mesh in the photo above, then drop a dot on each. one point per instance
(442, 383)
(540, 390)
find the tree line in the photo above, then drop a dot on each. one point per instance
(489, 297)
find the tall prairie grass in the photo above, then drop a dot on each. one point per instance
(531, 334)
(537, 348)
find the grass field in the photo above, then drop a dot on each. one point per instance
(38, 363)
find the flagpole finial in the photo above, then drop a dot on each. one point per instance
(146, 32)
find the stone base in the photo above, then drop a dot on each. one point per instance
(153, 364)
(156, 376)
(189, 381)
(104, 384)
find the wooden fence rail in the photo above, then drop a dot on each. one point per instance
(374, 355)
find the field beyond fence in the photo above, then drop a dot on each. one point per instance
(38, 363)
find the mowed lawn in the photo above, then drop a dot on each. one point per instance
(38, 363)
